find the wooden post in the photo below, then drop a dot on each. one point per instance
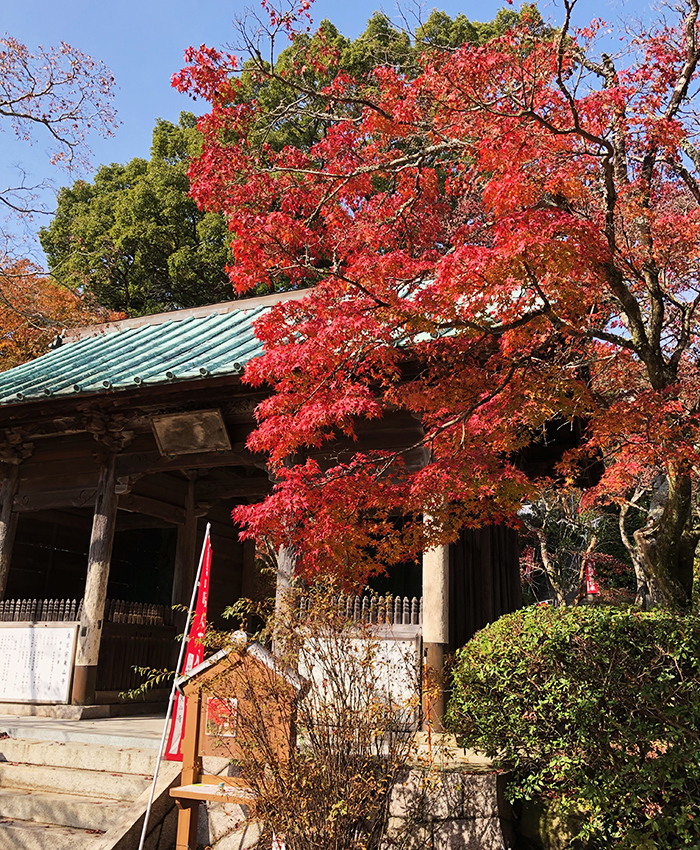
(436, 634)
(188, 810)
(185, 556)
(99, 557)
(248, 575)
(8, 523)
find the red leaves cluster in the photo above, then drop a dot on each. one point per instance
(509, 236)
(35, 309)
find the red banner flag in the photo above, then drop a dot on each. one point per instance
(194, 655)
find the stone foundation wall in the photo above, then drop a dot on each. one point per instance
(450, 810)
(428, 810)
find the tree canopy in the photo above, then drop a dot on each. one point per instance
(134, 239)
(57, 94)
(303, 70)
(34, 309)
(506, 236)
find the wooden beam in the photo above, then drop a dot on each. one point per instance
(240, 488)
(99, 557)
(436, 632)
(149, 462)
(134, 503)
(85, 497)
(76, 497)
(8, 523)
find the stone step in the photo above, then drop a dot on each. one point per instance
(28, 835)
(133, 732)
(68, 810)
(66, 780)
(78, 755)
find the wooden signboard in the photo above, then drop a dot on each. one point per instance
(236, 702)
(36, 661)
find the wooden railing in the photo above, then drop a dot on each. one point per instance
(40, 610)
(379, 610)
(139, 613)
(68, 610)
(128, 645)
(133, 634)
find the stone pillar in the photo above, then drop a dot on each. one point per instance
(436, 632)
(99, 557)
(8, 523)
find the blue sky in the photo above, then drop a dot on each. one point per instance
(143, 41)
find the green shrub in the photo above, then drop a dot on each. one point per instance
(597, 708)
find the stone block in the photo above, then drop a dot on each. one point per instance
(426, 795)
(443, 795)
(402, 834)
(407, 796)
(483, 795)
(219, 819)
(241, 839)
(469, 834)
(168, 831)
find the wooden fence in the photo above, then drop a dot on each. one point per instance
(68, 610)
(134, 634)
(378, 610)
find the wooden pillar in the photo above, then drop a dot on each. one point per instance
(248, 575)
(99, 557)
(436, 633)
(8, 523)
(185, 557)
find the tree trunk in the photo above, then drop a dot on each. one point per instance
(554, 579)
(667, 543)
(647, 594)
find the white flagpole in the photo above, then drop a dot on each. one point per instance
(171, 699)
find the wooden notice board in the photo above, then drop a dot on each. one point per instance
(221, 693)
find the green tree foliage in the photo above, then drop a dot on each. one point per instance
(597, 709)
(134, 239)
(136, 242)
(301, 71)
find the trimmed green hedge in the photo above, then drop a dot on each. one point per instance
(598, 708)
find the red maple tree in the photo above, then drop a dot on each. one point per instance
(35, 309)
(509, 236)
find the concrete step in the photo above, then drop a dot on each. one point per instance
(27, 835)
(68, 810)
(66, 780)
(78, 756)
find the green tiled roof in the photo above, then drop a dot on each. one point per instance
(145, 352)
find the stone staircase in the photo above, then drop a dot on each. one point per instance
(84, 790)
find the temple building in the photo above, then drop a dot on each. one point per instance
(120, 444)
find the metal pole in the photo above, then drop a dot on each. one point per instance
(171, 699)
